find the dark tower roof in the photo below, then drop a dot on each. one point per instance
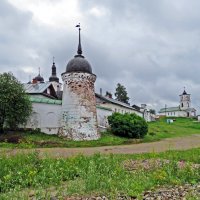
(184, 92)
(79, 63)
(53, 76)
(39, 78)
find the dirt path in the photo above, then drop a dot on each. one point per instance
(183, 143)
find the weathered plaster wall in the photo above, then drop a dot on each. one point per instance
(102, 117)
(79, 116)
(47, 117)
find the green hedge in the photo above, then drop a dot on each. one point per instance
(128, 125)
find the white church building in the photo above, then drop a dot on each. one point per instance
(72, 109)
(183, 110)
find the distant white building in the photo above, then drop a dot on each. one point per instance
(183, 110)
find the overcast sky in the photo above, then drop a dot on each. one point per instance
(152, 47)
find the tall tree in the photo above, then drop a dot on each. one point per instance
(121, 93)
(15, 106)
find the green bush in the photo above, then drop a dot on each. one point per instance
(128, 125)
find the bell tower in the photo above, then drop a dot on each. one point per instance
(185, 101)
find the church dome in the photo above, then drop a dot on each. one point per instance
(39, 78)
(53, 78)
(79, 64)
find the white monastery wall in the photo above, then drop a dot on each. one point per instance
(102, 117)
(120, 109)
(46, 117)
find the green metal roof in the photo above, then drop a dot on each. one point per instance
(170, 109)
(103, 108)
(58, 102)
(44, 100)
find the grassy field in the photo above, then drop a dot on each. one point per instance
(23, 176)
(157, 130)
(34, 140)
(180, 127)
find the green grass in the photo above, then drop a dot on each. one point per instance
(98, 174)
(157, 130)
(34, 140)
(181, 127)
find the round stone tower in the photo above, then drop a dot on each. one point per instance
(78, 102)
(185, 101)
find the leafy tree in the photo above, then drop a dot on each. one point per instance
(128, 125)
(121, 93)
(15, 106)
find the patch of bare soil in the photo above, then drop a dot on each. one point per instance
(150, 164)
(164, 193)
(10, 138)
(182, 143)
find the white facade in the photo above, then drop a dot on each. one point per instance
(175, 113)
(45, 116)
(48, 114)
(102, 117)
(48, 117)
(116, 106)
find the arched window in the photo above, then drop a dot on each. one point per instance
(35, 120)
(51, 120)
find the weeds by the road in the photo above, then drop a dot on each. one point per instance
(181, 127)
(98, 174)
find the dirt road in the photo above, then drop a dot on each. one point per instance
(183, 143)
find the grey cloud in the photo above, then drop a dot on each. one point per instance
(151, 47)
(161, 42)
